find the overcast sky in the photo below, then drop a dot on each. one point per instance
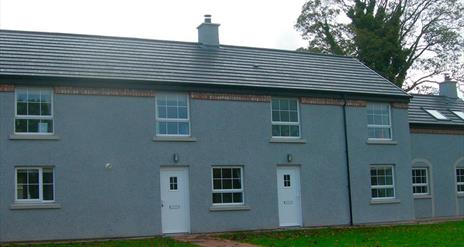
(258, 23)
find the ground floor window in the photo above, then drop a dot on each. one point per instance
(227, 185)
(460, 179)
(420, 181)
(382, 182)
(35, 184)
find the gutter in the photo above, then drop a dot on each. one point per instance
(347, 153)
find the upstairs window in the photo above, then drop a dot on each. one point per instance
(420, 181)
(436, 114)
(34, 111)
(285, 118)
(172, 115)
(35, 184)
(379, 121)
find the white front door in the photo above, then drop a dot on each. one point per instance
(288, 193)
(175, 208)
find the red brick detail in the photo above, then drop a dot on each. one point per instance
(7, 88)
(105, 91)
(437, 131)
(356, 103)
(230, 97)
(321, 101)
(400, 105)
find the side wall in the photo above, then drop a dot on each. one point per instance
(441, 153)
(125, 201)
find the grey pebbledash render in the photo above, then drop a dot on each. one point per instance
(114, 137)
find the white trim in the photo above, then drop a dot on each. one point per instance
(392, 186)
(287, 123)
(34, 117)
(228, 190)
(178, 120)
(426, 184)
(40, 199)
(388, 126)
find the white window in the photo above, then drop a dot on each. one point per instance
(382, 182)
(34, 111)
(436, 114)
(460, 114)
(172, 115)
(379, 121)
(420, 181)
(34, 184)
(227, 185)
(285, 118)
(460, 179)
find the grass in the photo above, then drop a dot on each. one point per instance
(440, 234)
(157, 241)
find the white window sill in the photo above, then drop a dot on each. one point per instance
(422, 196)
(229, 208)
(385, 201)
(33, 137)
(37, 205)
(287, 140)
(174, 139)
(381, 142)
(460, 194)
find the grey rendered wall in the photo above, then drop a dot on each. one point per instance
(442, 153)
(125, 201)
(363, 155)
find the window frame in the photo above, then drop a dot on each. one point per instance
(456, 179)
(436, 114)
(34, 117)
(41, 184)
(287, 123)
(158, 119)
(459, 114)
(382, 186)
(427, 184)
(242, 190)
(389, 126)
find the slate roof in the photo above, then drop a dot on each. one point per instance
(445, 105)
(84, 56)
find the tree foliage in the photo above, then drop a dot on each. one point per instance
(409, 42)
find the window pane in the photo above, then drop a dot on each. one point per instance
(226, 173)
(237, 184)
(227, 184)
(184, 128)
(21, 191)
(45, 109)
(48, 192)
(33, 176)
(21, 176)
(34, 109)
(293, 105)
(217, 185)
(284, 104)
(33, 125)
(183, 112)
(172, 112)
(285, 116)
(275, 116)
(46, 97)
(216, 173)
(162, 128)
(33, 96)
(236, 172)
(294, 130)
(33, 191)
(285, 130)
(227, 198)
(293, 116)
(276, 130)
(217, 198)
(21, 95)
(172, 128)
(21, 109)
(47, 175)
(237, 198)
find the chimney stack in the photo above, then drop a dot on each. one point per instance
(208, 33)
(448, 88)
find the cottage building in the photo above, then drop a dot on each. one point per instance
(114, 137)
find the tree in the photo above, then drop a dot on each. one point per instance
(409, 42)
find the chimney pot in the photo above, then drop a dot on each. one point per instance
(207, 18)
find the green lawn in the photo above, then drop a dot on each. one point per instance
(442, 234)
(157, 241)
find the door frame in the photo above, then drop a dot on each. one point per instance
(297, 167)
(186, 169)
